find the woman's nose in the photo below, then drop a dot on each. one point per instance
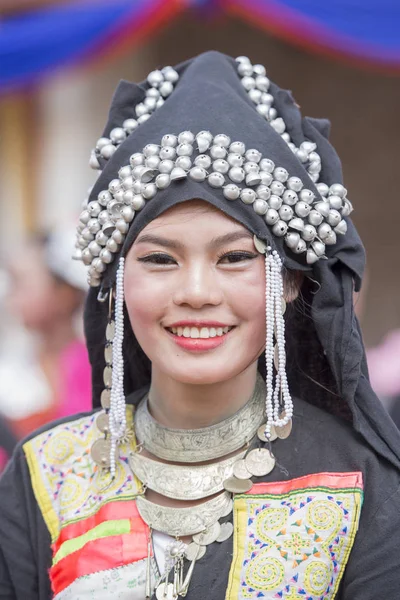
(198, 287)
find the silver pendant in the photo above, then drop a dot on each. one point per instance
(165, 591)
(260, 462)
(100, 453)
(225, 532)
(261, 433)
(205, 538)
(284, 431)
(194, 551)
(237, 486)
(240, 471)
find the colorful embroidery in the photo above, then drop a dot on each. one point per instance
(292, 539)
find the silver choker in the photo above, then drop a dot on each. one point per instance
(206, 443)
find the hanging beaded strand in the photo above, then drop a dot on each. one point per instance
(117, 412)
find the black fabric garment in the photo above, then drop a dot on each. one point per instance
(318, 443)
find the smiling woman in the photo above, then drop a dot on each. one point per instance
(239, 452)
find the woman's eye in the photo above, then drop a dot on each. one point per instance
(236, 257)
(158, 258)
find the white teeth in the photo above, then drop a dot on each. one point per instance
(203, 332)
(186, 332)
(225, 329)
(194, 333)
(174, 330)
(213, 332)
(180, 331)
(219, 331)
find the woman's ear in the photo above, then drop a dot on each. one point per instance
(292, 282)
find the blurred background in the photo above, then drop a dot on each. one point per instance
(59, 64)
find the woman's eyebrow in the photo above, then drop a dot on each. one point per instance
(148, 238)
(234, 236)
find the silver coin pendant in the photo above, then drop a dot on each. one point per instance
(226, 532)
(237, 486)
(194, 551)
(284, 432)
(261, 433)
(240, 471)
(208, 536)
(260, 462)
(165, 591)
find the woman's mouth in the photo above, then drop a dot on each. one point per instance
(199, 337)
(203, 333)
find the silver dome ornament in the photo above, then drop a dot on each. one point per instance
(166, 166)
(77, 255)
(160, 102)
(170, 74)
(271, 216)
(253, 178)
(311, 257)
(267, 99)
(94, 208)
(324, 230)
(114, 210)
(186, 137)
(300, 248)
(277, 188)
(330, 239)
(128, 195)
(301, 155)
(147, 175)
(218, 152)
(272, 114)
(306, 195)
(235, 159)
(285, 212)
(162, 181)
(143, 118)
(337, 189)
(203, 160)
(101, 238)
(94, 248)
(318, 247)
(248, 82)
(93, 161)
(263, 192)
(248, 196)
(112, 245)
(308, 147)
(106, 256)
(260, 207)
(155, 78)
(347, 207)
(101, 142)
(290, 197)
(166, 89)
(220, 165)
(86, 257)
(237, 148)
(150, 190)
(341, 227)
(203, 140)
(315, 218)
(115, 185)
(117, 135)
(184, 162)
(236, 174)
(108, 228)
(323, 189)
(275, 202)
(251, 167)
(335, 202)
(130, 125)
(263, 110)
(107, 151)
(127, 214)
(93, 226)
(123, 172)
(198, 174)
(167, 153)
(309, 233)
(141, 109)
(253, 155)
(286, 137)
(323, 208)
(255, 95)
(266, 178)
(84, 217)
(334, 217)
(259, 70)
(128, 182)
(278, 124)
(267, 165)
(184, 150)
(231, 192)
(297, 224)
(262, 82)
(314, 168)
(280, 228)
(152, 162)
(136, 173)
(245, 69)
(280, 174)
(302, 209)
(117, 236)
(151, 150)
(177, 174)
(222, 140)
(216, 180)
(137, 187)
(138, 202)
(136, 159)
(170, 140)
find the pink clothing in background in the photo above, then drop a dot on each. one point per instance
(75, 385)
(384, 366)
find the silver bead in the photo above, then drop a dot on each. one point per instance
(94, 248)
(272, 114)
(267, 99)
(301, 247)
(297, 224)
(286, 137)
(136, 159)
(143, 118)
(106, 256)
(272, 216)
(280, 228)
(114, 185)
(119, 195)
(307, 196)
(127, 214)
(285, 212)
(107, 151)
(151, 150)
(155, 78)
(94, 225)
(323, 208)
(216, 180)
(335, 202)
(147, 175)
(235, 159)
(311, 257)
(324, 230)
(166, 166)
(166, 89)
(150, 190)
(87, 235)
(278, 124)
(93, 161)
(263, 110)
(248, 82)
(308, 147)
(260, 206)
(123, 172)
(128, 182)
(263, 192)
(255, 96)
(186, 137)
(167, 153)
(301, 155)
(137, 187)
(153, 93)
(217, 152)
(314, 168)
(248, 196)
(347, 208)
(122, 224)
(170, 140)
(198, 174)
(309, 232)
(337, 189)
(117, 135)
(203, 142)
(138, 202)
(162, 181)
(159, 104)
(94, 208)
(267, 165)
(275, 202)
(203, 160)
(315, 218)
(183, 162)
(342, 227)
(114, 208)
(128, 195)
(222, 140)
(302, 209)
(184, 150)
(170, 74)
(231, 192)
(290, 197)
(334, 217)
(101, 142)
(277, 188)
(118, 236)
(253, 155)
(318, 247)
(292, 239)
(245, 70)
(262, 82)
(281, 174)
(112, 245)
(236, 174)
(152, 162)
(266, 178)
(101, 238)
(220, 165)
(87, 257)
(108, 228)
(251, 167)
(85, 217)
(323, 189)
(177, 174)
(237, 148)
(253, 178)
(330, 239)
(259, 70)
(130, 125)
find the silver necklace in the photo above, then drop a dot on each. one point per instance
(182, 482)
(207, 443)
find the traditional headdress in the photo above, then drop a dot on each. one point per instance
(218, 130)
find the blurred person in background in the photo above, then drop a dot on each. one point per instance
(47, 374)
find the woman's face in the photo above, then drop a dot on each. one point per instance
(195, 294)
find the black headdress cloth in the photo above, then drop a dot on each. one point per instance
(210, 96)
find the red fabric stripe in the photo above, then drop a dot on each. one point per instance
(330, 480)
